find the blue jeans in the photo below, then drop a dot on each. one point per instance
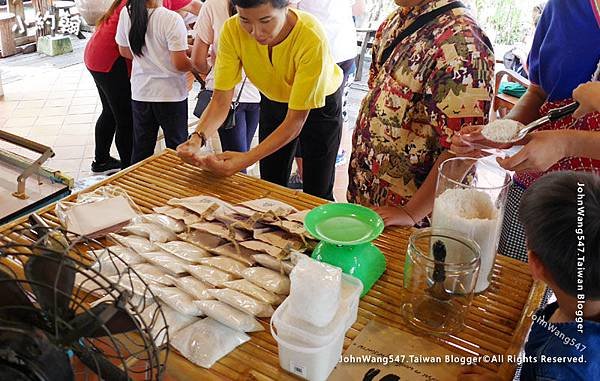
(239, 138)
(148, 116)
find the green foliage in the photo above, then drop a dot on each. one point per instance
(505, 20)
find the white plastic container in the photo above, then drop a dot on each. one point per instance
(292, 328)
(313, 363)
(312, 352)
(351, 289)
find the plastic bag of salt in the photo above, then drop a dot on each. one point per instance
(315, 291)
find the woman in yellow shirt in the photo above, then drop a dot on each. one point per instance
(285, 55)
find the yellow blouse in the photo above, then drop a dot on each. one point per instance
(301, 73)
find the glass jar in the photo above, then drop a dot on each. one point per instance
(438, 287)
(470, 198)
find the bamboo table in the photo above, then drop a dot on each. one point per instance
(497, 322)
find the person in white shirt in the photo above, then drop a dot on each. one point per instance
(336, 18)
(207, 30)
(155, 38)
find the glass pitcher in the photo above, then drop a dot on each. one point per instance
(470, 198)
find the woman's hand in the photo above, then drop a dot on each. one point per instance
(394, 216)
(463, 141)
(224, 164)
(469, 141)
(189, 150)
(542, 150)
(588, 96)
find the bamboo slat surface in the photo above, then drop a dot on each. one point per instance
(497, 322)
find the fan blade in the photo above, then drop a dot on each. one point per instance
(121, 322)
(11, 372)
(52, 276)
(101, 320)
(99, 364)
(11, 291)
(28, 350)
(14, 304)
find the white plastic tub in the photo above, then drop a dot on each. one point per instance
(313, 363)
(351, 289)
(292, 328)
(312, 352)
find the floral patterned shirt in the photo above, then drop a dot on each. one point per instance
(436, 81)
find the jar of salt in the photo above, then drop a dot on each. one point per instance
(470, 198)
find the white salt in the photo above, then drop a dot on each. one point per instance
(501, 131)
(315, 291)
(472, 213)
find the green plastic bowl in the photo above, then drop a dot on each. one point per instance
(346, 232)
(343, 224)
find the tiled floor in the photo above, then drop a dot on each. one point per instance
(58, 107)
(47, 108)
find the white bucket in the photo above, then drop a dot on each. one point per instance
(311, 363)
(351, 289)
(292, 328)
(312, 352)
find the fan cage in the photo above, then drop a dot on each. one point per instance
(100, 276)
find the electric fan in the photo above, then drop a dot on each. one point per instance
(59, 315)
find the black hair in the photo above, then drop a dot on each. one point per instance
(111, 10)
(561, 215)
(231, 8)
(255, 3)
(138, 13)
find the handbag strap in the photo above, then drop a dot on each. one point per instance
(419, 23)
(199, 79)
(203, 85)
(237, 101)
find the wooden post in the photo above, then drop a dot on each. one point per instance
(7, 40)
(16, 7)
(41, 6)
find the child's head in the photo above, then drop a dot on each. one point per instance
(560, 212)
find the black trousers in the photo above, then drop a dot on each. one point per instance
(116, 118)
(320, 140)
(346, 67)
(148, 116)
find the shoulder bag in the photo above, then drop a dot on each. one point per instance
(204, 97)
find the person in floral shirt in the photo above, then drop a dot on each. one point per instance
(435, 81)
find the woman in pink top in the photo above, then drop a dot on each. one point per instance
(111, 75)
